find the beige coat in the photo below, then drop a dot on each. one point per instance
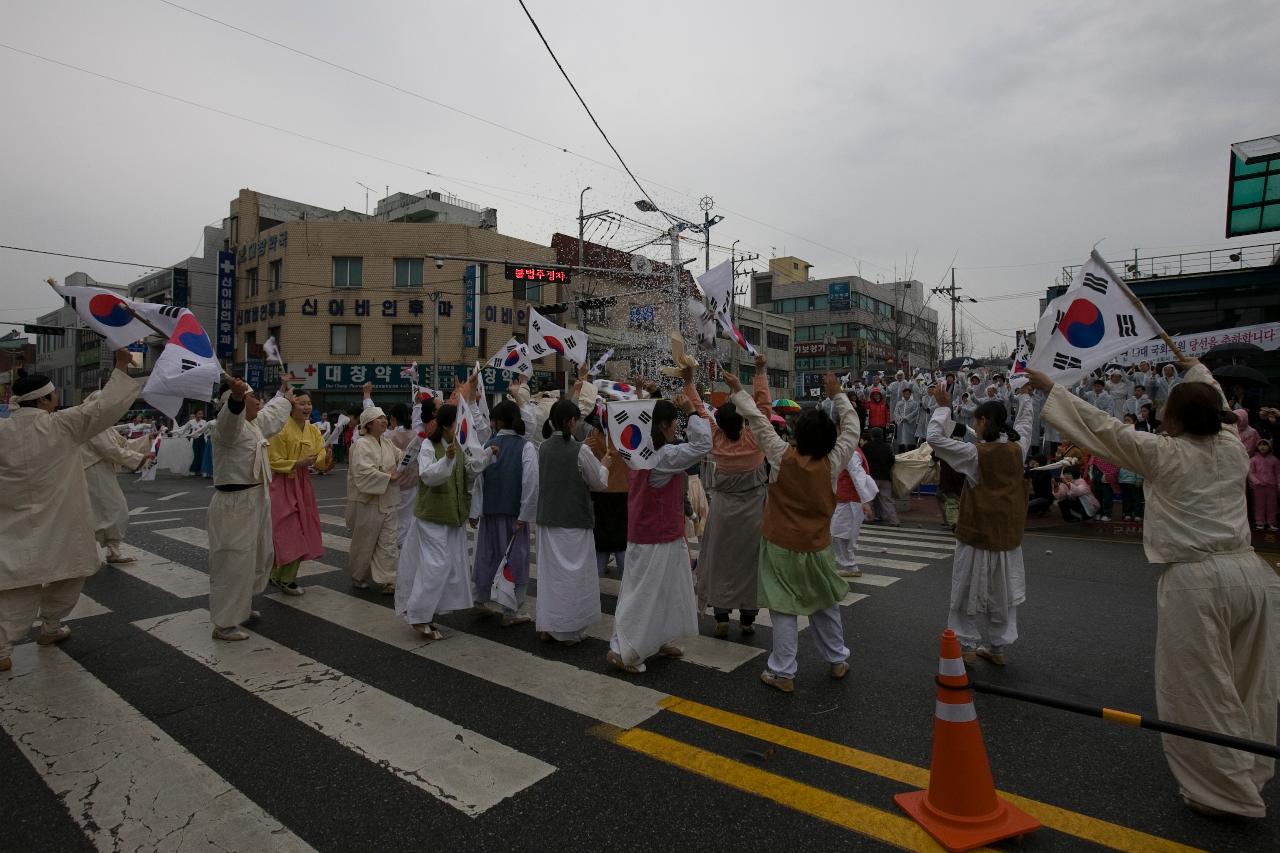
(102, 456)
(367, 477)
(45, 522)
(240, 446)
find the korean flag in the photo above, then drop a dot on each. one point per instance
(465, 431)
(514, 356)
(546, 338)
(630, 429)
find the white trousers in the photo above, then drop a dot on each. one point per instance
(828, 635)
(971, 629)
(20, 607)
(240, 553)
(1218, 668)
(374, 537)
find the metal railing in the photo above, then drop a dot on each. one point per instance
(1190, 263)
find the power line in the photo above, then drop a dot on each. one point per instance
(591, 115)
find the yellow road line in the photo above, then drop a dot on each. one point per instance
(1082, 826)
(841, 811)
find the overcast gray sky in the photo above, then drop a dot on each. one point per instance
(859, 136)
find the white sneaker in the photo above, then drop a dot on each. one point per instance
(292, 588)
(1104, 518)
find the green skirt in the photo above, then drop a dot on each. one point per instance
(798, 582)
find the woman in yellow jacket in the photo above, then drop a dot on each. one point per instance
(295, 519)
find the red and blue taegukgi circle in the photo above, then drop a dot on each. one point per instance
(622, 387)
(188, 335)
(554, 343)
(109, 310)
(631, 437)
(512, 359)
(1083, 325)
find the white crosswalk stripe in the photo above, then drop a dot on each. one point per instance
(115, 769)
(466, 770)
(600, 697)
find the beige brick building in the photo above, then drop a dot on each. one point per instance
(348, 297)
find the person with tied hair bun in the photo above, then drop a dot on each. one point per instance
(46, 523)
(988, 578)
(727, 561)
(656, 604)
(1217, 658)
(568, 582)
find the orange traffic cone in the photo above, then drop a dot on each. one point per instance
(961, 809)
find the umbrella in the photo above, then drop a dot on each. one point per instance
(1240, 374)
(777, 419)
(1233, 350)
(785, 405)
(957, 363)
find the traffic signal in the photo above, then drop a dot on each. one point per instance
(553, 308)
(53, 331)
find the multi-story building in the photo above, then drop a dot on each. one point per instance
(643, 313)
(349, 297)
(846, 323)
(78, 361)
(191, 283)
(16, 353)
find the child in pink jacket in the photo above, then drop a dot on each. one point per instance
(1264, 479)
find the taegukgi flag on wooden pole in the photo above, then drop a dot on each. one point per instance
(465, 430)
(1018, 372)
(1093, 321)
(272, 351)
(513, 356)
(630, 428)
(546, 338)
(187, 367)
(503, 590)
(107, 313)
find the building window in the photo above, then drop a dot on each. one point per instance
(348, 272)
(528, 292)
(277, 274)
(779, 379)
(408, 272)
(344, 340)
(405, 340)
(274, 333)
(482, 278)
(484, 342)
(776, 340)
(251, 282)
(250, 343)
(752, 334)
(884, 309)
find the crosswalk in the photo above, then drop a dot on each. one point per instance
(112, 777)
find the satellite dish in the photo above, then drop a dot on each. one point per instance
(641, 264)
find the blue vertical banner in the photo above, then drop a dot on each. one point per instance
(838, 296)
(226, 305)
(469, 319)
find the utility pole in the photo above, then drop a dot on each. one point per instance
(708, 221)
(950, 293)
(435, 340)
(735, 259)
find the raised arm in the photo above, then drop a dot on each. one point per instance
(110, 446)
(433, 471)
(528, 483)
(760, 387)
(595, 473)
(85, 421)
(1084, 424)
(1022, 423)
(675, 458)
(847, 418)
(960, 455)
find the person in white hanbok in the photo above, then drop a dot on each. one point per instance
(1217, 661)
(988, 577)
(906, 414)
(241, 551)
(102, 456)
(656, 604)
(568, 580)
(373, 497)
(45, 520)
(433, 574)
(855, 491)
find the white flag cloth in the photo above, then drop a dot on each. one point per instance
(1018, 372)
(272, 351)
(704, 322)
(513, 356)
(630, 423)
(600, 363)
(546, 338)
(410, 455)
(465, 431)
(503, 590)
(610, 390)
(1089, 324)
(148, 472)
(482, 399)
(187, 368)
(106, 313)
(717, 284)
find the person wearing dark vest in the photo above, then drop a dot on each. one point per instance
(798, 574)
(432, 575)
(988, 579)
(880, 462)
(509, 503)
(656, 604)
(568, 584)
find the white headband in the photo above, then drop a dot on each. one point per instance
(43, 391)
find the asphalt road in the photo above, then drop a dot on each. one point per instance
(336, 728)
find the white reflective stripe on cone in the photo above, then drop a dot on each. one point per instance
(955, 713)
(950, 666)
